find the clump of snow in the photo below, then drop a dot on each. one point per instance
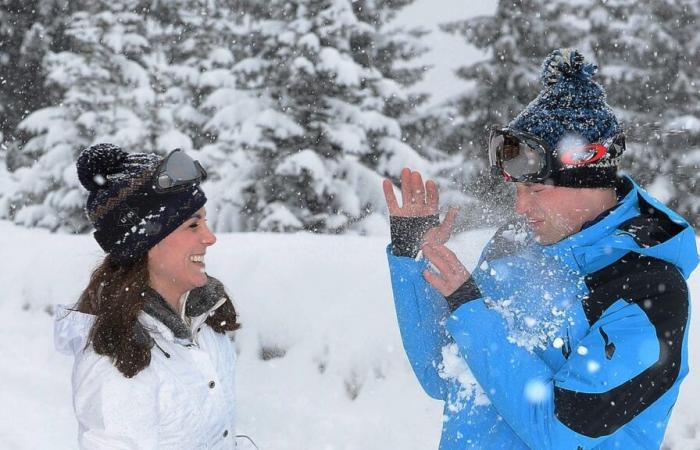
(662, 188)
(686, 123)
(525, 330)
(454, 367)
(558, 342)
(344, 69)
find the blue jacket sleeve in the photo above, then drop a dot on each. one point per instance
(421, 313)
(619, 368)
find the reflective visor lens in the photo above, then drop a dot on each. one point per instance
(515, 157)
(178, 169)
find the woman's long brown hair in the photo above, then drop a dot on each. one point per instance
(115, 295)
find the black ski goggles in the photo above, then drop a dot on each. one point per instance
(177, 172)
(522, 157)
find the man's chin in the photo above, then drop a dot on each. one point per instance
(537, 233)
(544, 239)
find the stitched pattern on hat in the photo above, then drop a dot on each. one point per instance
(112, 202)
(571, 111)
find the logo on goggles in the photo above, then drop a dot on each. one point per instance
(583, 155)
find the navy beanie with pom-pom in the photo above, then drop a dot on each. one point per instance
(129, 216)
(571, 111)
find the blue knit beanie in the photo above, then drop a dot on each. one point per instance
(129, 216)
(571, 111)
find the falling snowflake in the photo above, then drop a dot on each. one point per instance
(536, 391)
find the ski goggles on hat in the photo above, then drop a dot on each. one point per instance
(522, 157)
(177, 172)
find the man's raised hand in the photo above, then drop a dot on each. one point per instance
(417, 199)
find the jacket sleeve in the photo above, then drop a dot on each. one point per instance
(113, 411)
(630, 357)
(421, 313)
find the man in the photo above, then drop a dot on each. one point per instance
(571, 334)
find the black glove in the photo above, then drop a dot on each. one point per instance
(407, 233)
(464, 294)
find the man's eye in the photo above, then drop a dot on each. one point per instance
(194, 225)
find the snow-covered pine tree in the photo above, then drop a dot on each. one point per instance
(316, 107)
(6, 181)
(107, 96)
(200, 97)
(28, 30)
(191, 53)
(648, 52)
(19, 70)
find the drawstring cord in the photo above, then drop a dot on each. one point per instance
(245, 436)
(167, 355)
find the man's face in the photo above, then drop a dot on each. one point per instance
(552, 212)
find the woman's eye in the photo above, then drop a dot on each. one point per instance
(194, 225)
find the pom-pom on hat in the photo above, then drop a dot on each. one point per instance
(571, 111)
(129, 216)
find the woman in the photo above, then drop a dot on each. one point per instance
(153, 367)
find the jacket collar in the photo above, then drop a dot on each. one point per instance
(195, 306)
(159, 310)
(603, 242)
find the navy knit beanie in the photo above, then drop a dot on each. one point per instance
(129, 216)
(571, 111)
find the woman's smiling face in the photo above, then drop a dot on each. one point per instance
(176, 264)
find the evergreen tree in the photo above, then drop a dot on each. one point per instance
(316, 109)
(133, 76)
(295, 108)
(202, 98)
(191, 55)
(29, 29)
(648, 52)
(106, 98)
(19, 69)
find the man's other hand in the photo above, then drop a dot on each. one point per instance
(450, 275)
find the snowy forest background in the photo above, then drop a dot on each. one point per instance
(298, 108)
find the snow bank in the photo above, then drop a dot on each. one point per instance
(321, 363)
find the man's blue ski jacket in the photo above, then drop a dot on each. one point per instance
(576, 345)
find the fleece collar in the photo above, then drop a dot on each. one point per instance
(196, 306)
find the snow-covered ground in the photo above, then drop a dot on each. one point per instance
(323, 302)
